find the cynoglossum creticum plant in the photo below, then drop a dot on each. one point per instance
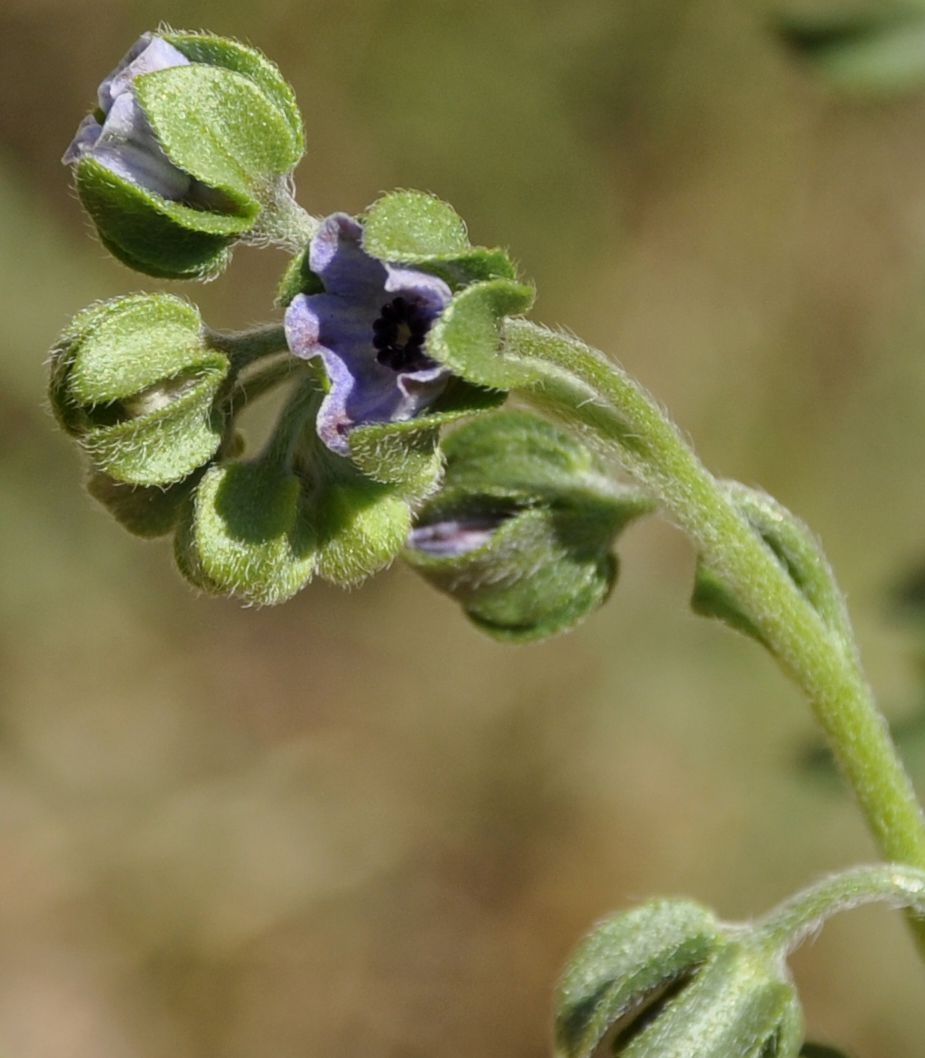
(393, 327)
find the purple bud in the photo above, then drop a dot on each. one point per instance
(119, 136)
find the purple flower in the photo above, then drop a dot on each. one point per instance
(119, 136)
(369, 328)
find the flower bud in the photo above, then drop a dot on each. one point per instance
(193, 136)
(522, 530)
(135, 381)
(243, 533)
(669, 981)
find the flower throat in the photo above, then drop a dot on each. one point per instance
(399, 333)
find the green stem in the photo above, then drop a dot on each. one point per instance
(790, 923)
(264, 380)
(244, 347)
(564, 375)
(283, 222)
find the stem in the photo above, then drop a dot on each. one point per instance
(244, 347)
(566, 376)
(282, 221)
(263, 380)
(790, 923)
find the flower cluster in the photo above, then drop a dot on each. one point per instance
(189, 150)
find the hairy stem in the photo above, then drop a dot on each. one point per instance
(789, 924)
(565, 376)
(244, 347)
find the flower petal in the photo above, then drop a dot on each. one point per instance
(147, 54)
(127, 146)
(338, 259)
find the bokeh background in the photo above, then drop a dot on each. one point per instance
(351, 825)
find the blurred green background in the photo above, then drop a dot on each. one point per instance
(351, 825)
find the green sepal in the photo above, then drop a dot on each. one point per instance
(147, 511)
(153, 235)
(467, 336)
(416, 228)
(244, 532)
(796, 549)
(862, 54)
(712, 598)
(737, 1003)
(624, 960)
(546, 518)
(533, 580)
(232, 55)
(136, 382)
(220, 127)
(361, 526)
(520, 456)
(407, 454)
(297, 279)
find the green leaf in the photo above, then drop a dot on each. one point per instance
(245, 534)
(220, 127)
(622, 961)
(232, 55)
(152, 235)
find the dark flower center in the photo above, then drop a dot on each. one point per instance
(399, 333)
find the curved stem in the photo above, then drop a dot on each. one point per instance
(569, 378)
(790, 923)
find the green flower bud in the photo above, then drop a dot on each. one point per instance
(194, 138)
(244, 533)
(522, 530)
(261, 529)
(136, 382)
(669, 981)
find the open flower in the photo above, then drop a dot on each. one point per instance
(118, 134)
(368, 327)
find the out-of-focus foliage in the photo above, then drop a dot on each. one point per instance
(351, 824)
